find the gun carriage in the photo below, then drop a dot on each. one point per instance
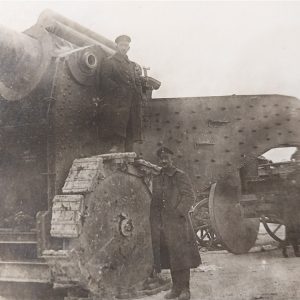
(218, 141)
(88, 211)
(266, 193)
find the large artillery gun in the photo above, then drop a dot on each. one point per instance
(71, 217)
(90, 210)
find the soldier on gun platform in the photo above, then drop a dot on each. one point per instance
(122, 93)
(173, 239)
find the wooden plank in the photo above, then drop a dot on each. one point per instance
(19, 271)
(66, 216)
(83, 175)
(15, 236)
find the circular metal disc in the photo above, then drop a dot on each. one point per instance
(116, 252)
(82, 71)
(237, 234)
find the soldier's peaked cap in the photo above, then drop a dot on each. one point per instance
(122, 38)
(163, 150)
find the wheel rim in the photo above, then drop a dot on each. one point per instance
(205, 234)
(273, 231)
(236, 233)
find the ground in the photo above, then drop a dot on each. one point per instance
(264, 275)
(259, 274)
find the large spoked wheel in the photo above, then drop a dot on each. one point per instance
(274, 227)
(205, 234)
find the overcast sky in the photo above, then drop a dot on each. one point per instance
(193, 48)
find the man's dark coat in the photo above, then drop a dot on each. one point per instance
(173, 239)
(291, 206)
(122, 94)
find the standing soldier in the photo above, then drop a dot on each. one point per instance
(291, 208)
(173, 240)
(122, 93)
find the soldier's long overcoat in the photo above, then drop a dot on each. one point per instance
(173, 239)
(121, 92)
(291, 206)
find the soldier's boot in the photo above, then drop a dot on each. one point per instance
(157, 280)
(173, 294)
(185, 294)
(185, 286)
(175, 291)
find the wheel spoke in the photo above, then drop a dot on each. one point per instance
(266, 221)
(276, 229)
(206, 233)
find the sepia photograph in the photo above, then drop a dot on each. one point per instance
(149, 150)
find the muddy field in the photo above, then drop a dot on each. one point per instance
(261, 274)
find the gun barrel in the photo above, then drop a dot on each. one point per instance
(74, 32)
(20, 60)
(75, 37)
